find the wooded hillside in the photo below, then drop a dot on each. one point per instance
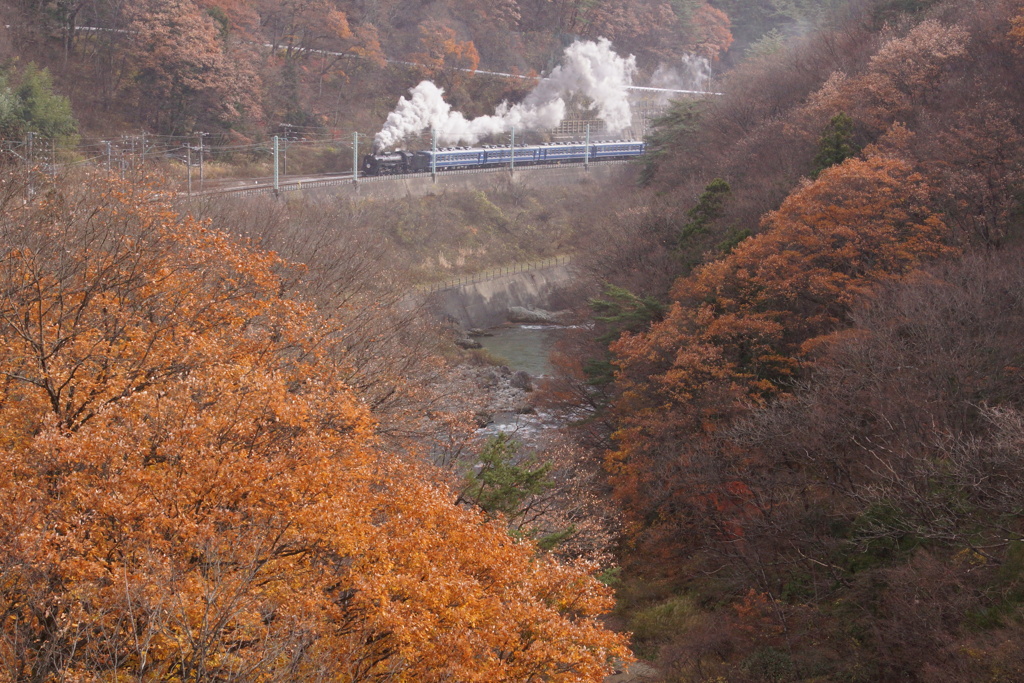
(816, 433)
(250, 66)
(230, 454)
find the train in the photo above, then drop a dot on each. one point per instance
(492, 156)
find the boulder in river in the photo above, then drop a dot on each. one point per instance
(522, 380)
(518, 314)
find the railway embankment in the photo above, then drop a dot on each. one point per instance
(422, 184)
(417, 185)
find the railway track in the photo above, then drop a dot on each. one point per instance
(258, 186)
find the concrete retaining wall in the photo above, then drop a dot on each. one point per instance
(420, 185)
(486, 304)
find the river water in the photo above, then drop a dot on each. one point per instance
(523, 347)
(528, 348)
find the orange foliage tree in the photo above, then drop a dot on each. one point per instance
(443, 56)
(648, 28)
(898, 79)
(711, 34)
(1017, 30)
(740, 328)
(189, 490)
(187, 73)
(300, 25)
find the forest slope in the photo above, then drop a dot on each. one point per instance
(814, 438)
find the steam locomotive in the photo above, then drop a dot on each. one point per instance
(492, 156)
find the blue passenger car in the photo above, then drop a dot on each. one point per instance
(487, 156)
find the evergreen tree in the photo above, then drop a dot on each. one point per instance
(620, 310)
(41, 110)
(505, 480)
(836, 144)
(708, 209)
(33, 107)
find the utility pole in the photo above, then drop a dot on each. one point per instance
(586, 155)
(143, 149)
(287, 136)
(355, 158)
(433, 156)
(28, 144)
(200, 160)
(188, 162)
(107, 143)
(277, 186)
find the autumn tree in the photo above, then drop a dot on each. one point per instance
(296, 26)
(710, 33)
(190, 489)
(888, 475)
(234, 16)
(978, 161)
(186, 72)
(901, 75)
(443, 56)
(739, 329)
(1017, 30)
(650, 29)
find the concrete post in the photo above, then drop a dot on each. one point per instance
(355, 158)
(433, 156)
(201, 175)
(586, 154)
(277, 178)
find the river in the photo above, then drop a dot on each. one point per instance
(527, 348)
(523, 347)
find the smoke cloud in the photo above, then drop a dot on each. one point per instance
(589, 68)
(692, 75)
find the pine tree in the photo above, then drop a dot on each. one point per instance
(836, 144)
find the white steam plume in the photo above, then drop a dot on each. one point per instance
(589, 68)
(692, 75)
